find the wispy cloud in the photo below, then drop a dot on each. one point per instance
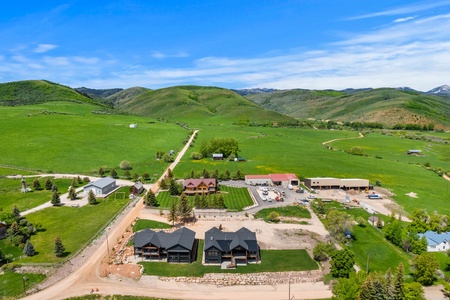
(401, 20)
(408, 9)
(42, 48)
(161, 55)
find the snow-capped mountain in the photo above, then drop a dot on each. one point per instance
(440, 90)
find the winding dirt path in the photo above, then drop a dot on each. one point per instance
(349, 138)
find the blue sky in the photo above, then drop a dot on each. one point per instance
(312, 44)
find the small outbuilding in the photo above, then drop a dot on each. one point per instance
(102, 186)
(137, 188)
(217, 156)
(414, 152)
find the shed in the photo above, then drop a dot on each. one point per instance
(414, 152)
(102, 186)
(137, 188)
(217, 156)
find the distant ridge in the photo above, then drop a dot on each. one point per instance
(97, 93)
(440, 90)
(244, 92)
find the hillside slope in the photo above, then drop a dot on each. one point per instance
(37, 91)
(198, 104)
(385, 105)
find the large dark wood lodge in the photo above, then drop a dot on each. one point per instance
(177, 246)
(240, 247)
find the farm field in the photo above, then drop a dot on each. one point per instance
(235, 198)
(300, 151)
(83, 141)
(279, 260)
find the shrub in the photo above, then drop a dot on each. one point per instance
(274, 217)
(196, 155)
(168, 158)
(125, 165)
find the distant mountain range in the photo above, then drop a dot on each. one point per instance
(214, 105)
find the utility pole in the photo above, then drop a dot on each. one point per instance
(107, 243)
(368, 260)
(23, 282)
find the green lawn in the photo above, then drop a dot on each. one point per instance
(12, 283)
(292, 211)
(235, 198)
(80, 226)
(143, 224)
(10, 194)
(271, 261)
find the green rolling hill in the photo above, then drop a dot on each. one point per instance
(38, 91)
(385, 105)
(196, 104)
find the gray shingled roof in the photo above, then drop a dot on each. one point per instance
(183, 237)
(226, 241)
(101, 183)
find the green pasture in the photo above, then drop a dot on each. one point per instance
(75, 226)
(65, 137)
(300, 151)
(13, 283)
(235, 198)
(271, 260)
(143, 224)
(11, 195)
(292, 211)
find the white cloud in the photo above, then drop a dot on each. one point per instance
(401, 20)
(160, 55)
(42, 48)
(414, 7)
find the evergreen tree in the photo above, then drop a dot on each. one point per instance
(238, 174)
(162, 184)
(54, 188)
(368, 291)
(389, 286)
(36, 184)
(146, 176)
(101, 171)
(91, 197)
(16, 212)
(220, 202)
(192, 173)
(113, 173)
(399, 286)
(173, 188)
(55, 198)
(203, 201)
(227, 175)
(28, 249)
(173, 213)
(184, 208)
(197, 200)
(169, 173)
(74, 182)
(72, 193)
(48, 184)
(127, 174)
(205, 173)
(79, 180)
(59, 247)
(151, 199)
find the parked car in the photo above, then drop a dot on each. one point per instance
(265, 193)
(269, 199)
(300, 191)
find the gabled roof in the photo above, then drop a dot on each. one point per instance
(226, 241)
(282, 177)
(434, 238)
(101, 183)
(138, 185)
(192, 182)
(183, 237)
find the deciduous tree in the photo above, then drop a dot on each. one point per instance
(342, 263)
(425, 267)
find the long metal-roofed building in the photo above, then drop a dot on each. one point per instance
(327, 183)
(102, 186)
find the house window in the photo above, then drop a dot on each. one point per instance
(213, 253)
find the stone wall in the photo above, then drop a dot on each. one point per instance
(266, 278)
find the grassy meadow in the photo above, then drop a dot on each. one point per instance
(12, 283)
(65, 137)
(300, 151)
